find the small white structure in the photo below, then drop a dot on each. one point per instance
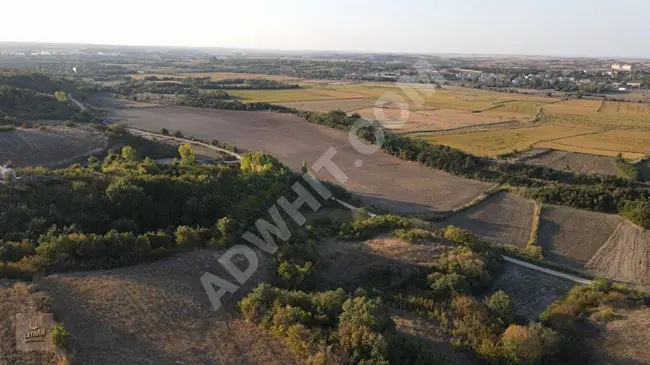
(622, 67)
(7, 175)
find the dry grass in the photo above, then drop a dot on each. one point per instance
(323, 106)
(633, 142)
(293, 140)
(492, 143)
(430, 331)
(571, 237)
(531, 291)
(502, 218)
(625, 256)
(20, 298)
(52, 147)
(159, 314)
(624, 340)
(431, 120)
(353, 264)
(304, 94)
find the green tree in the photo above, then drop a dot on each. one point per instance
(304, 168)
(187, 154)
(60, 96)
(130, 154)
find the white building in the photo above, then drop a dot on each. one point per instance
(622, 67)
(7, 174)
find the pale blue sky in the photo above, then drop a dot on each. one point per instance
(545, 27)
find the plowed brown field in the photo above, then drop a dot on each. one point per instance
(571, 237)
(625, 256)
(502, 218)
(381, 180)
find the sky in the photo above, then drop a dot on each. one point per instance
(596, 28)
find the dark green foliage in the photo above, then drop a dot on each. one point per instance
(127, 210)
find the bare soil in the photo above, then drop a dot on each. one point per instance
(159, 314)
(502, 218)
(625, 256)
(531, 291)
(382, 180)
(624, 340)
(52, 147)
(573, 161)
(19, 298)
(571, 237)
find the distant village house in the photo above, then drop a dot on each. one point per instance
(622, 67)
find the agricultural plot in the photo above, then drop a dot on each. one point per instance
(54, 146)
(378, 179)
(502, 218)
(578, 162)
(497, 142)
(571, 237)
(428, 120)
(531, 291)
(159, 314)
(632, 143)
(625, 256)
(324, 106)
(303, 94)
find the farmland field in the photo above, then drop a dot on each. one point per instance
(324, 106)
(571, 237)
(382, 180)
(625, 256)
(51, 147)
(531, 291)
(216, 75)
(496, 142)
(578, 162)
(432, 120)
(159, 314)
(502, 218)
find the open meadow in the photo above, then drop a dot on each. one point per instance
(379, 179)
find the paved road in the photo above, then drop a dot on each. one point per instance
(81, 106)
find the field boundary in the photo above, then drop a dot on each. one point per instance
(238, 156)
(533, 240)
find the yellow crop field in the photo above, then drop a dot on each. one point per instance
(496, 142)
(273, 96)
(431, 120)
(216, 75)
(627, 109)
(634, 143)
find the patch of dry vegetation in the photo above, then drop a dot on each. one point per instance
(625, 256)
(50, 146)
